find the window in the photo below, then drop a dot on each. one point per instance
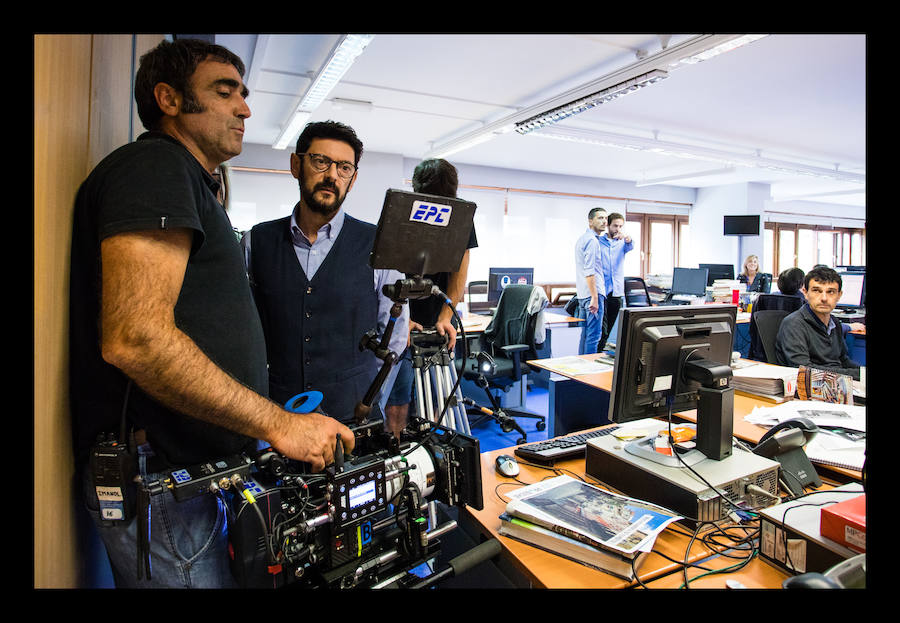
(807, 245)
(661, 242)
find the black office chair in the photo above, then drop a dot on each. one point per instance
(636, 293)
(768, 321)
(478, 288)
(497, 360)
(767, 302)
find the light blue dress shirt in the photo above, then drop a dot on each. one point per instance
(588, 262)
(612, 256)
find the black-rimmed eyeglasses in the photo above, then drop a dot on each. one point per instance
(322, 163)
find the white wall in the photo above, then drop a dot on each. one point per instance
(529, 229)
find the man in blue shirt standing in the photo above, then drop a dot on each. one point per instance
(589, 281)
(614, 244)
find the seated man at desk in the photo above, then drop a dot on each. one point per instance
(811, 336)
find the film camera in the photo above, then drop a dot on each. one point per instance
(363, 522)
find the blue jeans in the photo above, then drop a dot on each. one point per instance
(592, 329)
(402, 391)
(188, 541)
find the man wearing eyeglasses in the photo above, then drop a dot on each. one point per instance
(316, 293)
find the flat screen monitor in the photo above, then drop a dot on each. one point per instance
(853, 288)
(672, 359)
(689, 281)
(718, 271)
(499, 278)
(742, 225)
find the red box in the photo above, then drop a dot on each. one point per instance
(845, 523)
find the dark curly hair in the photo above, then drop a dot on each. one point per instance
(436, 176)
(174, 62)
(329, 129)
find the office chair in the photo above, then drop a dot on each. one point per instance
(636, 293)
(768, 321)
(767, 302)
(478, 288)
(497, 360)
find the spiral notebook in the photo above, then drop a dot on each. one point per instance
(837, 451)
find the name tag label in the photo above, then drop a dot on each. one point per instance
(431, 213)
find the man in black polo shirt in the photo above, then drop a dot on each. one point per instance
(166, 348)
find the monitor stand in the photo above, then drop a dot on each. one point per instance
(644, 449)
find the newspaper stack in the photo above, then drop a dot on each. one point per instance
(585, 523)
(765, 379)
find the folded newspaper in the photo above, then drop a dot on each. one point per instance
(591, 515)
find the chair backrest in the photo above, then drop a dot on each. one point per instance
(636, 294)
(478, 287)
(777, 301)
(768, 302)
(513, 322)
(767, 323)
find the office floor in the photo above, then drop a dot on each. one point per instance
(491, 436)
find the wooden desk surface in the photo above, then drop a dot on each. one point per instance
(743, 405)
(546, 570)
(476, 323)
(756, 574)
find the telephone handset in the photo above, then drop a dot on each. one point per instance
(784, 443)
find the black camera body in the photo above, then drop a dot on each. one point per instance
(359, 523)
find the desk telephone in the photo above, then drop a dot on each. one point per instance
(784, 443)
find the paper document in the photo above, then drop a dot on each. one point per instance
(575, 366)
(822, 414)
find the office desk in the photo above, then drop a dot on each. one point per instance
(582, 401)
(529, 566)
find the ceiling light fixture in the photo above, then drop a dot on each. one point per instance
(666, 59)
(342, 57)
(693, 152)
(727, 46)
(595, 99)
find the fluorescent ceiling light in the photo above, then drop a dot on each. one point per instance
(594, 99)
(668, 58)
(721, 48)
(692, 152)
(342, 57)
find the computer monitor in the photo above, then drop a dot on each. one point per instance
(689, 281)
(853, 288)
(673, 359)
(499, 278)
(718, 271)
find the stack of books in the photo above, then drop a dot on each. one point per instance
(586, 524)
(722, 289)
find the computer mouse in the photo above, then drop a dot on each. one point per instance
(507, 465)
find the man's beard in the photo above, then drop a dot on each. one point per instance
(317, 206)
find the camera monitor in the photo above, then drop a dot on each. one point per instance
(673, 359)
(421, 234)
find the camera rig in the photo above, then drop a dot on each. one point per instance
(370, 518)
(363, 522)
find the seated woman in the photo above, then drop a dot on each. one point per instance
(755, 280)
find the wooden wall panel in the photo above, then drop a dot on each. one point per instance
(82, 111)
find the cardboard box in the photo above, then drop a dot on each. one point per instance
(845, 523)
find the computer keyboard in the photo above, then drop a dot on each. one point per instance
(560, 448)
